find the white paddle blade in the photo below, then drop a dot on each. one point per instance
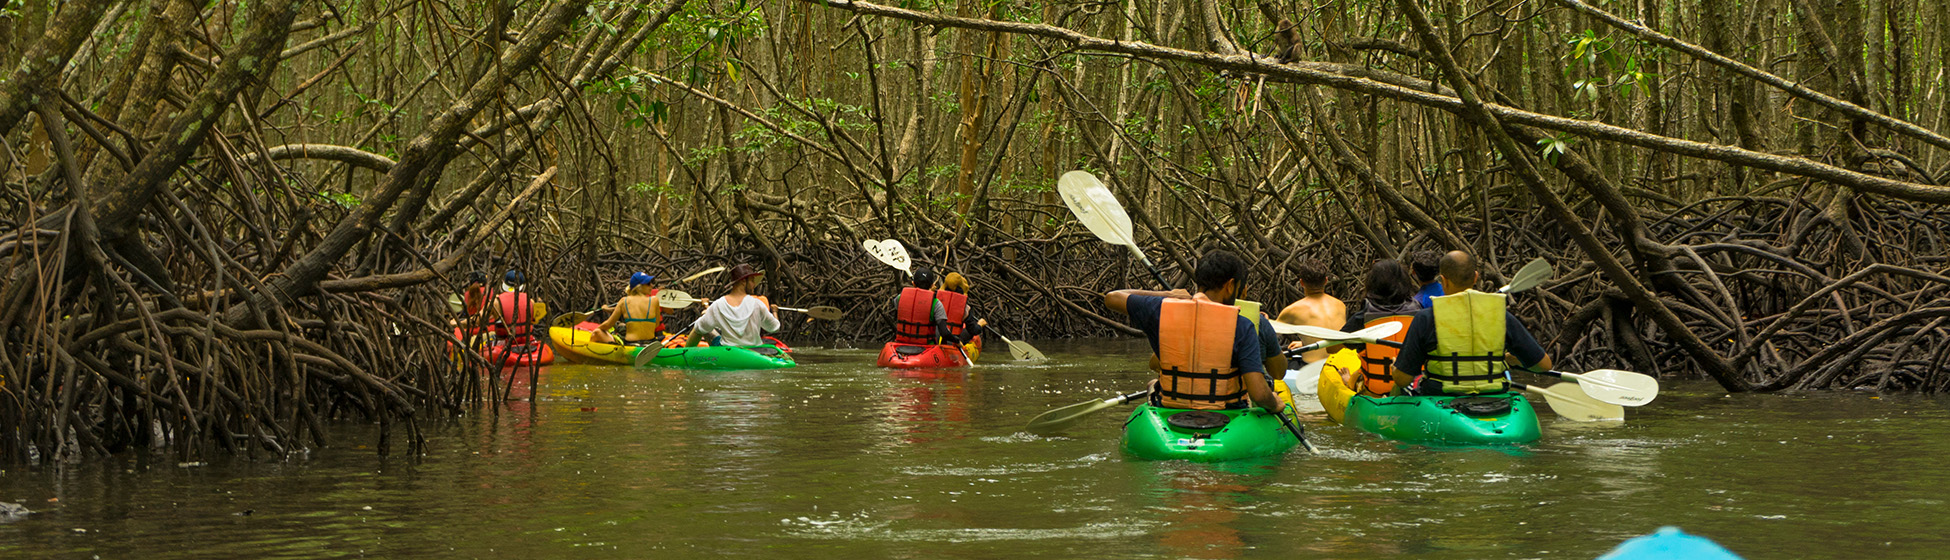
(1617, 387)
(1096, 207)
(1532, 274)
(673, 299)
(1572, 404)
(703, 273)
(1024, 352)
(454, 304)
(891, 252)
(1378, 332)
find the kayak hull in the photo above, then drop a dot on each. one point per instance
(1250, 432)
(1435, 419)
(500, 353)
(724, 358)
(576, 345)
(1331, 383)
(900, 355)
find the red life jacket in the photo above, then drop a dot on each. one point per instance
(517, 314)
(955, 305)
(915, 322)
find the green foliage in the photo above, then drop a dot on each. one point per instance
(632, 100)
(659, 189)
(1606, 64)
(1556, 145)
(344, 200)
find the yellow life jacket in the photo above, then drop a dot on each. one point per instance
(1468, 356)
(1195, 355)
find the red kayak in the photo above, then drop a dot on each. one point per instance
(899, 355)
(527, 352)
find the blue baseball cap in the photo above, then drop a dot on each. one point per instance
(641, 278)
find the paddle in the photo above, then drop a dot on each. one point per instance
(1056, 420)
(823, 312)
(890, 252)
(1614, 386)
(1021, 350)
(700, 274)
(1097, 208)
(1367, 335)
(1575, 405)
(1532, 274)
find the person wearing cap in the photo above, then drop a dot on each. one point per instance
(638, 312)
(738, 318)
(945, 311)
(514, 314)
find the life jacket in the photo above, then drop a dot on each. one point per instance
(1468, 356)
(955, 306)
(914, 323)
(1195, 355)
(1378, 360)
(517, 314)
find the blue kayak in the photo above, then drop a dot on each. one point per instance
(1669, 543)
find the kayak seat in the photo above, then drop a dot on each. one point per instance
(905, 350)
(1481, 406)
(772, 351)
(1198, 420)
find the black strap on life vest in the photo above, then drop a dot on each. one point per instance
(1212, 380)
(1455, 368)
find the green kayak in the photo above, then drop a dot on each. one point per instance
(1204, 435)
(724, 357)
(1466, 420)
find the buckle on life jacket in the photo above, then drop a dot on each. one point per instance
(1480, 406)
(1198, 420)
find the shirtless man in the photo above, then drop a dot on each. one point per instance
(1317, 308)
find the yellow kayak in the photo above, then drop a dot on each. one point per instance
(1333, 390)
(576, 345)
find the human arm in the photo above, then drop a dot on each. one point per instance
(768, 319)
(1269, 348)
(1250, 362)
(1416, 345)
(1521, 349)
(1117, 300)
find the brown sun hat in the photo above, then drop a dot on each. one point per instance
(744, 271)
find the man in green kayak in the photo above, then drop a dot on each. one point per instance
(1462, 344)
(1208, 357)
(738, 318)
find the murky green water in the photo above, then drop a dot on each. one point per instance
(841, 459)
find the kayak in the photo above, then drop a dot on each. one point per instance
(574, 343)
(724, 357)
(676, 340)
(527, 352)
(1330, 377)
(1205, 436)
(899, 355)
(1669, 542)
(1504, 418)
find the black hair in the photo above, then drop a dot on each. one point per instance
(924, 278)
(1389, 283)
(1216, 267)
(1423, 263)
(477, 277)
(1312, 272)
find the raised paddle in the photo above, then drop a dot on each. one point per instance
(1614, 386)
(1097, 208)
(1532, 274)
(700, 274)
(1056, 420)
(823, 312)
(1367, 335)
(891, 252)
(1574, 405)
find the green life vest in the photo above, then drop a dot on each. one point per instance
(1468, 356)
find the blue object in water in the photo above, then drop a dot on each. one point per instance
(1669, 543)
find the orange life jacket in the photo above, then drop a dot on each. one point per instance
(915, 322)
(517, 314)
(1195, 355)
(1377, 360)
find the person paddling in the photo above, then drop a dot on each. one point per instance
(922, 314)
(1208, 357)
(738, 318)
(638, 312)
(474, 301)
(1464, 341)
(1315, 308)
(954, 303)
(1391, 298)
(514, 314)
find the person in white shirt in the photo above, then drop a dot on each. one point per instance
(738, 318)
